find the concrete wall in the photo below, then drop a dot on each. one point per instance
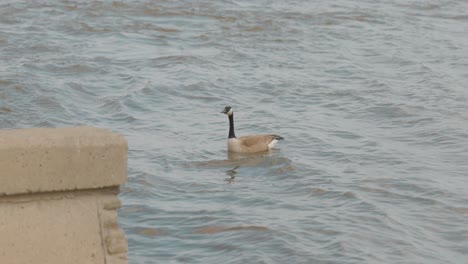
(58, 196)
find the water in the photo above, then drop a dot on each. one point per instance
(370, 96)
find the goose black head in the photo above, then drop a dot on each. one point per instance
(227, 110)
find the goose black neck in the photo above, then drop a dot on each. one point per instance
(231, 126)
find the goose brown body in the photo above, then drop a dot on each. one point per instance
(253, 143)
(248, 144)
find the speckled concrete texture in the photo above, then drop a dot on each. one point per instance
(58, 159)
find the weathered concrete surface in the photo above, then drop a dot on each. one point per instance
(45, 159)
(58, 196)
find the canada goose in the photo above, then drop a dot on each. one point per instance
(248, 144)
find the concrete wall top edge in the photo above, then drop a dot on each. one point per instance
(60, 159)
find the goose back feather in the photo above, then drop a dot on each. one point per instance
(253, 143)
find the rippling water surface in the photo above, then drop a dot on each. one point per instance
(371, 97)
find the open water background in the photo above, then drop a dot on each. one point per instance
(371, 97)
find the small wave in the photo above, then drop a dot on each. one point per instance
(219, 229)
(390, 111)
(170, 61)
(151, 27)
(317, 191)
(49, 103)
(460, 210)
(150, 232)
(255, 29)
(6, 82)
(5, 110)
(56, 68)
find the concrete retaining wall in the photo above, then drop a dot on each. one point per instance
(58, 196)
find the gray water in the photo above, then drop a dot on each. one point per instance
(371, 97)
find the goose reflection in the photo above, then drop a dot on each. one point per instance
(232, 174)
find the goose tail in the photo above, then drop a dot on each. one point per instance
(277, 137)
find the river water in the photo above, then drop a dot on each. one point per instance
(370, 96)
